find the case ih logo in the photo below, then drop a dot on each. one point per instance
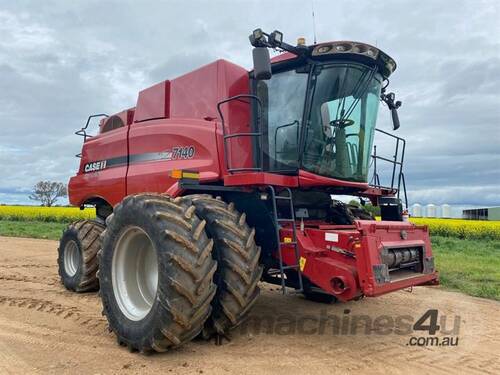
(95, 166)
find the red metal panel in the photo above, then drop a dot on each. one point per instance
(322, 262)
(161, 136)
(130, 116)
(153, 102)
(352, 253)
(260, 178)
(308, 179)
(377, 234)
(283, 57)
(234, 80)
(108, 183)
(194, 95)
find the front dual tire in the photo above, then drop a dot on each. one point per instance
(156, 272)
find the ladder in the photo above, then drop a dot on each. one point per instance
(278, 221)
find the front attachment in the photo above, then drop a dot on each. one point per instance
(369, 258)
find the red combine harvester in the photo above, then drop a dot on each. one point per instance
(222, 178)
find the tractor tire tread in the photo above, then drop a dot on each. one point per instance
(238, 270)
(185, 287)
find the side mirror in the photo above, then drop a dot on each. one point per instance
(395, 118)
(261, 63)
(393, 105)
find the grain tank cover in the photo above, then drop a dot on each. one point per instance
(193, 95)
(153, 102)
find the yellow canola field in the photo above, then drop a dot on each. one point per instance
(471, 229)
(54, 214)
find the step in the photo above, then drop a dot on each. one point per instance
(283, 198)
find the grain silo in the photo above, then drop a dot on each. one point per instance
(430, 210)
(446, 211)
(416, 210)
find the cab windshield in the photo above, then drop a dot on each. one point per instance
(339, 133)
(340, 124)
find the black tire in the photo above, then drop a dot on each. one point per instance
(311, 292)
(185, 270)
(319, 297)
(81, 238)
(237, 255)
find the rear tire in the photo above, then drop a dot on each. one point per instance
(77, 255)
(238, 270)
(156, 272)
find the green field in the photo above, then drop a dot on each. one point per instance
(32, 229)
(469, 266)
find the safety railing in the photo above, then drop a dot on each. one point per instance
(397, 177)
(83, 131)
(244, 98)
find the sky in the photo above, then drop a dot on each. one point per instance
(63, 60)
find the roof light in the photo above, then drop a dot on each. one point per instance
(276, 37)
(346, 47)
(324, 49)
(337, 50)
(257, 34)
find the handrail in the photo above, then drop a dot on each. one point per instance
(397, 162)
(83, 131)
(258, 133)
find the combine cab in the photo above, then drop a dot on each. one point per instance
(221, 178)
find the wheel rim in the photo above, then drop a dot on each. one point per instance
(134, 273)
(72, 258)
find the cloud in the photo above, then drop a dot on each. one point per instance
(61, 61)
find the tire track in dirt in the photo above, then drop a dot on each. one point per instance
(92, 323)
(29, 265)
(30, 279)
(45, 334)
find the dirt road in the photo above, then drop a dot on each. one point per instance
(46, 329)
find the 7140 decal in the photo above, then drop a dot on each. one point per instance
(186, 152)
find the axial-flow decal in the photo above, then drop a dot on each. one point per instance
(176, 153)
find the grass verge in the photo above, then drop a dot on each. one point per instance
(32, 229)
(469, 266)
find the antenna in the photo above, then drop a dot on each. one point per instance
(314, 21)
